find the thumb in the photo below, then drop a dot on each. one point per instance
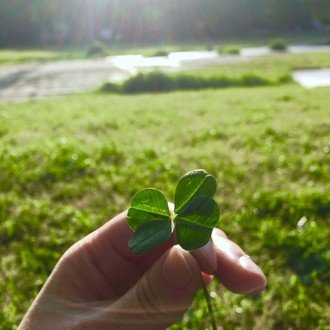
(164, 292)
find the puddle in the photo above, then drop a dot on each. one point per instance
(132, 62)
(193, 55)
(255, 51)
(309, 49)
(299, 49)
(312, 78)
(174, 60)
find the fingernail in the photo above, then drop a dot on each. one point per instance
(255, 287)
(207, 258)
(218, 233)
(177, 269)
(246, 263)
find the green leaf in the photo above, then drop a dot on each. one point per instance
(194, 184)
(150, 235)
(195, 224)
(148, 205)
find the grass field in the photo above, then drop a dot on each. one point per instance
(270, 70)
(68, 164)
(271, 67)
(14, 56)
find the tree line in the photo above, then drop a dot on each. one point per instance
(34, 22)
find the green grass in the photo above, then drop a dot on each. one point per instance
(211, 44)
(16, 56)
(230, 50)
(271, 67)
(68, 164)
(13, 56)
(260, 71)
(278, 44)
(157, 81)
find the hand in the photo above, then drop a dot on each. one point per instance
(100, 284)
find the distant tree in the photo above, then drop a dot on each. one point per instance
(65, 21)
(285, 15)
(319, 9)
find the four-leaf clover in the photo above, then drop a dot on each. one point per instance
(195, 214)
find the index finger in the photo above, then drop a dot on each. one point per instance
(236, 270)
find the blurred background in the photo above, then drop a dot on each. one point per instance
(99, 99)
(76, 22)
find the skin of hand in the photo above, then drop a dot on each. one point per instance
(100, 284)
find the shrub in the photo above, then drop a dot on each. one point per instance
(162, 82)
(230, 50)
(160, 53)
(285, 78)
(251, 79)
(152, 82)
(278, 44)
(110, 87)
(98, 49)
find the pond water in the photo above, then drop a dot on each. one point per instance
(308, 48)
(298, 49)
(177, 60)
(193, 55)
(174, 61)
(133, 62)
(312, 78)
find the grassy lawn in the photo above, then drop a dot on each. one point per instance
(268, 70)
(14, 56)
(271, 67)
(68, 164)
(204, 44)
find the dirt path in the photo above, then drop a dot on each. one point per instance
(29, 81)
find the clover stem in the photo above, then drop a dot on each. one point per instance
(209, 304)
